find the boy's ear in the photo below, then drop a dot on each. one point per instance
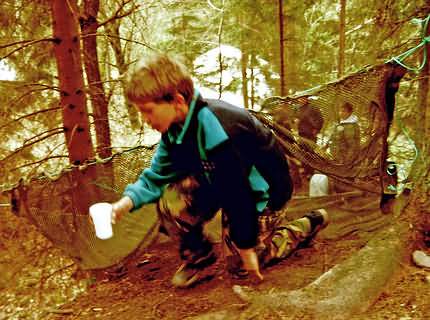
(179, 98)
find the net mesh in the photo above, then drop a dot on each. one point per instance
(307, 126)
(352, 153)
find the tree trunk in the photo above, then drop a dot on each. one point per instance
(73, 102)
(420, 170)
(293, 45)
(89, 26)
(220, 60)
(115, 42)
(244, 60)
(252, 79)
(244, 67)
(383, 23)
(422, 103)
(281, 47)
(341, 62)
(69, 64)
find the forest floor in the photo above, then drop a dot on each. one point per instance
(142, 290)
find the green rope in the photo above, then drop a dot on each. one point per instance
(425, 39)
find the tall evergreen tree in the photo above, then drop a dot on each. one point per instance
(71, 80)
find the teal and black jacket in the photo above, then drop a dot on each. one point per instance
(232, 154)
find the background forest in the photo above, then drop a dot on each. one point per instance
(62, 102)
(235, 49)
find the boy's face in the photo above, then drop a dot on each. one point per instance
(159, 115)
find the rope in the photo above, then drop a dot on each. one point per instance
(425, 40)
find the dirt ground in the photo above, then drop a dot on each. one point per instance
(38, 282)
(142, 289)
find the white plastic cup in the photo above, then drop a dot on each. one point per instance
(318, 186)
(101, 214)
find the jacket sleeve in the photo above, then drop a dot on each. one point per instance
(236, 196)
(149, 186)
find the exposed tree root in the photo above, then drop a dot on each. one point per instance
(346, 289)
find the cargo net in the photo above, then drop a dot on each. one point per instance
(339, 130)
(350, 156)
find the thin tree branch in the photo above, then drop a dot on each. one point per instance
(213, 6)
(39, 161)
(29, 43)
(13, 102)
(118, 14)
(356, 28)
(46, 86)
(27, 141)
(26, 145)
(117, 37)
(28, 116)
(416, 79)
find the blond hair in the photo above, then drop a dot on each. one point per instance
(158, 78)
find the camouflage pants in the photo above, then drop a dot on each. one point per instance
(278, 238)
(183, 215)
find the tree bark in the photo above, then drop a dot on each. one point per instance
(422, 103)
(243, 68)
(422, 131)
(293, 45)
(281, 47)
(252, 79)
(73, 102)
(341, 62)
(69, 64)
(115, 42)
(244, 60)
(89, 26)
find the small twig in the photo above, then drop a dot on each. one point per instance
(213, 6)
(155, 310)
(59, 311)
(43, 279)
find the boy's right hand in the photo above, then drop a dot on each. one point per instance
(120, 208)
(250, 262)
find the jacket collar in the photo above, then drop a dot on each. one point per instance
(177, 132)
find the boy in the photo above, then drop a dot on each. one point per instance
(346, 139)
(211, 156)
